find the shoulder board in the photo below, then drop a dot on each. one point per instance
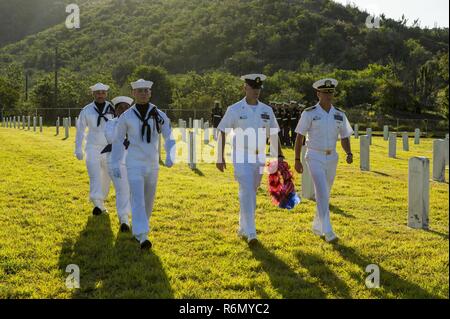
(310, 108)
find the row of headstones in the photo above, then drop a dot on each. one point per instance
(197, 126)
(418, 185)
(440, 155)
(15, 122)
(23, 122)
(440, 149)
(391, 136)
(66, 125)
(192, 123)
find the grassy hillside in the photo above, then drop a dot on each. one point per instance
(46, 224)
(238, 36)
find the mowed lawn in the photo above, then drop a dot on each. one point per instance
(46, 225)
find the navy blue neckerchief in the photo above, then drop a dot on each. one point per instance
(145, 125)
(101, 114)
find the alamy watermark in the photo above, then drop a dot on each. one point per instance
(73, 279)
(373, 280)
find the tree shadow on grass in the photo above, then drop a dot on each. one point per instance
(443, 235)
(338, 211)
(113, 266)
(287, 282)
(198, 172)
(381, 173)
(390, 283)
(318, 268)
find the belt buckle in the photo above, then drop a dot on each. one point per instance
(328, 152)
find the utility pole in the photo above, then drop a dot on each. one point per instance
(26, 85)
(56, 77)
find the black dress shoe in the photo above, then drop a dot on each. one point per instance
(124, 228)
(146, 244)
(97, 211)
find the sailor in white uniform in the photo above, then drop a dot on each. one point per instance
(142, 124)
(121, 104)
(94, 117)
(322, 125)
(251, 123)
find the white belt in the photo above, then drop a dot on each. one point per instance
(326, 152)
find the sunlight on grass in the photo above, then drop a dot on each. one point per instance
(46, 224)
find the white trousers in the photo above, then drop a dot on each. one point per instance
(323, 172)
(99, 180)
(249, 178)
(142, 181)
(122, 188)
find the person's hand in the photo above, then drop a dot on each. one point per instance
(168, 162)
(79, 155)
(349, 158)
(221, 166)
(299, 167)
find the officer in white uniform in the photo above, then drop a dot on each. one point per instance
(121, 104)
(142, 124)
(94, 117)
(251, 123)
(323, 124)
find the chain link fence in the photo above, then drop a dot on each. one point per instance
(429, 127)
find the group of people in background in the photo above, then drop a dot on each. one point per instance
(287, 115)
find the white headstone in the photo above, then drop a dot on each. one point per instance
(197, 126)
(29, 122)
(57, 126)
(356, 131)
(206, 134)
(307, 182)
(183, 134)
(417, 136)
(66, 128)
(392, 144)
(418, 192)
(40, 124)
(386, 132)
(191, 151)
(364, 157)
(14, 122)
(439, 160)
(69, 122)
(190, 122)
(446, 149)
(369, 134)
(405, 139)
(23, 122)
(34, 123)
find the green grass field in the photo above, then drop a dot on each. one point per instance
(46, 224)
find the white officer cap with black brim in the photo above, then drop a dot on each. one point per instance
(254, 80)
(327, 85)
